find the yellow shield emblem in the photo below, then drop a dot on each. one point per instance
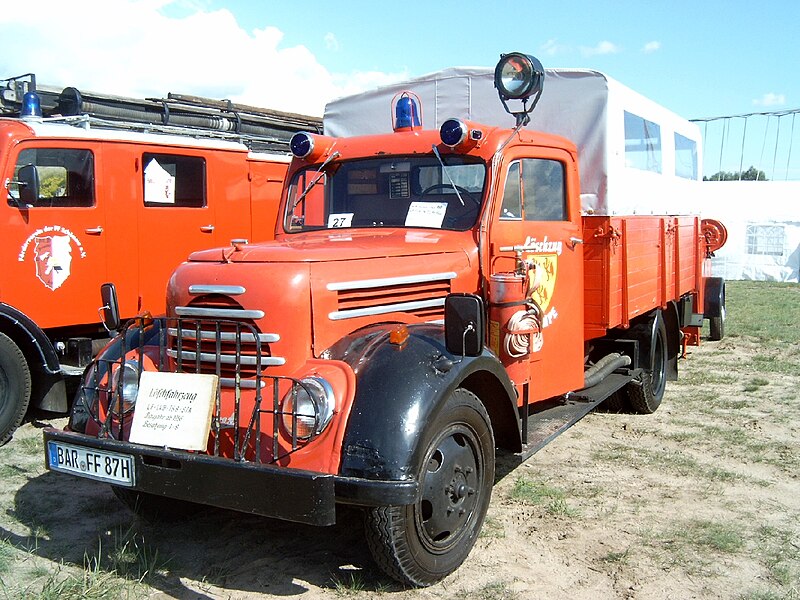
(542, 278)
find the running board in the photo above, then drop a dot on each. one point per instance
(552, 420)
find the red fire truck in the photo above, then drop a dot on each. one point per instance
(430, 296)
(97, 184)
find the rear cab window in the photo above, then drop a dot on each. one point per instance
(172, 180)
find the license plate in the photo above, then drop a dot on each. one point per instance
(103, 465)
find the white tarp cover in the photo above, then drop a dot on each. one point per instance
(587, 107)
(763, 223)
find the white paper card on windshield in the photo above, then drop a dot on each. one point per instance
(174, 410)
(338, 220)
(426, 214)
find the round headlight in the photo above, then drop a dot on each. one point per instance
(124, 384)
(518, 76)
(302, 144)
(453, 132)
(308, 408)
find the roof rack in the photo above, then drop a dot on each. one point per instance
(260, 129)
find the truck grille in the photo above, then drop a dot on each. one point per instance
(247, 422)
(419, 295)
(215, 335)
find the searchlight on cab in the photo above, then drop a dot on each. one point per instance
(519, 77)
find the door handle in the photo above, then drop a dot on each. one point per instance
(93, 230)
(575, 241)
(207, 228)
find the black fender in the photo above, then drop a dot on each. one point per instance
(400, 389)
(671, 320)
(48, 389)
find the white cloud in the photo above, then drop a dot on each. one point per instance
(651, 47)
(552, 47)
(604, 47)
(770, 99)
(201, 53)
(331, 43)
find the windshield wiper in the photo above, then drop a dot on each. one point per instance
(444, 170)
(317, 177)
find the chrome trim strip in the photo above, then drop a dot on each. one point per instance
(383, 309)
(247, 337)
(221, 313)
(245, 384)
(389, 281)
(228, 290)
(228, 359)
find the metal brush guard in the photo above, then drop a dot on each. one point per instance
(222, 347)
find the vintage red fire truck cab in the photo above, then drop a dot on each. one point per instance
(429, 296)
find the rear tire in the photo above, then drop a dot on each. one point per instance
(716, 325)
(715, 303)
(422, 543)
(646, 393)
(15, 387)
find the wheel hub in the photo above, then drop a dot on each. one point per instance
(449, 490)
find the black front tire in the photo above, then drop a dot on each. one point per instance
(15, 387)
(422, 543)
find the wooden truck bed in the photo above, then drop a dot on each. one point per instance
(633, 264)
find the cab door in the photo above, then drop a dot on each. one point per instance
(176, 216)
(537, 222)
(54, 237)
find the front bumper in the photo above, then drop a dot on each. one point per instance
(268, 490)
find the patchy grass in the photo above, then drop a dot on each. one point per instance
(527, 491)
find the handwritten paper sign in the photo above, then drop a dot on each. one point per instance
(174, 410)
(426, 214)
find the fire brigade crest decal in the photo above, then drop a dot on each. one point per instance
(53, 248)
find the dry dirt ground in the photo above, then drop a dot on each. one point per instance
(699, 500)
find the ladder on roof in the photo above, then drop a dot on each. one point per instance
(260, 129)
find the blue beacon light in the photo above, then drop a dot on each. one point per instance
(406, 113)
(31, 106)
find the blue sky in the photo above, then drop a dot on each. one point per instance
(699, 59)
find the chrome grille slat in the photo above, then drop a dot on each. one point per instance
(390, 281)
(384, 308)
(226, 290)
(228, 359)
(218, 313)
(225, 336)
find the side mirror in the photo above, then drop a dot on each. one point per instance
(28, 183)
(464, 324)
(109, 311)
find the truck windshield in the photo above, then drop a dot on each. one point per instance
(396, 191)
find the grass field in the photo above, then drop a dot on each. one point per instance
(699, 500)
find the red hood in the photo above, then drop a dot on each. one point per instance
(327, 246)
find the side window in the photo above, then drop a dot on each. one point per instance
(173, 180)
(544, 197)
(65, 176)
(685, 157)
(642, 143)
(512, 200)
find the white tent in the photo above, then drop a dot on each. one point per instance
(763, 223)
(636, 157)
